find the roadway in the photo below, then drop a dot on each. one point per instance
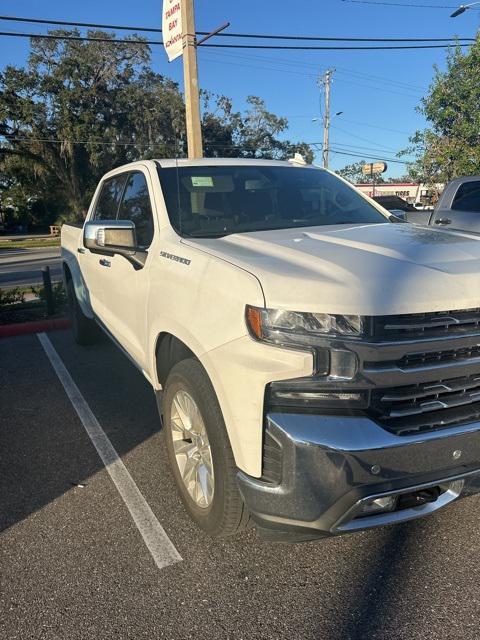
(74, 563)
(22, 267)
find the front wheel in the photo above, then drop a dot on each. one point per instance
(199, 451)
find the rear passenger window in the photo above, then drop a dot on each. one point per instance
(136, 207)
(468, 197)
(107, 204)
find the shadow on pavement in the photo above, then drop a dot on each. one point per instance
(368, 609)
(44, 449)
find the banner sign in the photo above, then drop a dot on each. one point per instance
(374, 167)
(172, 28)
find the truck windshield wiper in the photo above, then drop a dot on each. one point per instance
(396, 219)
(208, 234)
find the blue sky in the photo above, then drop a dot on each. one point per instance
(377, 91)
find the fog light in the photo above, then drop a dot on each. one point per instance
(379, 505)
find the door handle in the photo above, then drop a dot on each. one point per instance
(105, 263)
(81, 250)
(443, 221)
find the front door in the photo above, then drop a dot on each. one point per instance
(91, 262)
(125, 286)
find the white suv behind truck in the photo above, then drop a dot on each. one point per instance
(316, 360)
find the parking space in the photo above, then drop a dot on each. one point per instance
(73, 563)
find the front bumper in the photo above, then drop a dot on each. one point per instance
(329, 465)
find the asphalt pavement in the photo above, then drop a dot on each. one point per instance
(23, 267)
(74, 565)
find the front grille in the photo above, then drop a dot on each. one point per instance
(430, 358)
(435, 324)
(432, 405)
(416, 373)
(439, 357)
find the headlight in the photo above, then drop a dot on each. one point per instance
(308, 331)
(295, 328)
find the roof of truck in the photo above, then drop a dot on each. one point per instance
(209, 162)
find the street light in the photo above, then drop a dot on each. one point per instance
(339, 113)
(462, 8)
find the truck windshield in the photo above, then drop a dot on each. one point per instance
(219, 200)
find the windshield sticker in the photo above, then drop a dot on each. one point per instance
(202, 181)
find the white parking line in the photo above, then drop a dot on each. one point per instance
(158, 543)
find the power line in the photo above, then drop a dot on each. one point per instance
(373, 157)
(404, 4)
(48, 36)
(374, 78)
(296, 62)
(315, 48)
(354, 135)
(364, 124)
(93, 25)
(29, 140)
(256, 36)
(376, 126)
(359, 148)
(224, 46)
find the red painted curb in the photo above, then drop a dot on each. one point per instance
(37, 326)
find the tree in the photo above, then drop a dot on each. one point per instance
(80, 108)
(354, 173)
(450, 146)
(253, 134)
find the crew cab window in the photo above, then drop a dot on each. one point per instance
(135, 206)
(468, 197)
(109, 199)
(219, 200)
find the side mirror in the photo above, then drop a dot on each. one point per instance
(113, 236)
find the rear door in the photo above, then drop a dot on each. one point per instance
(91, 263)
(124, 285)
(464, 213)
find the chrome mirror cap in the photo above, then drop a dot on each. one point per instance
(110, 234)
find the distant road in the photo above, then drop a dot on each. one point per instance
(25, 236)
(22, 267)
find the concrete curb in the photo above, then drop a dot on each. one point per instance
(37, 326)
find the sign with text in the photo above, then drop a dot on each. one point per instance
(172, 28)
(374, 167)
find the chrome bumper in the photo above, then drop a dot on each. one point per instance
(328, 466)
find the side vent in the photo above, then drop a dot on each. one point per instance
(272, 459)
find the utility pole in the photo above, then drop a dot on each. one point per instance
(325, 81)
(190, 71)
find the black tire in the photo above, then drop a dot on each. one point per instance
(227, 514)
(84, 330)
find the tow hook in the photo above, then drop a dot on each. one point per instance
(418, 498)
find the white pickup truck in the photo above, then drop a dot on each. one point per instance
(317, 366)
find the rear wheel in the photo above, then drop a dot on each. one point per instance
(199, 451)
(84, 329)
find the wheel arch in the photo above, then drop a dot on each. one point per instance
(169, 351)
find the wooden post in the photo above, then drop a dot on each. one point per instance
(190, 72)
(326, 121)
(47, 288)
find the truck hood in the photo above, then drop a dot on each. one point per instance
(374, 269)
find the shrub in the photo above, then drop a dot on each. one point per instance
(11, 296)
